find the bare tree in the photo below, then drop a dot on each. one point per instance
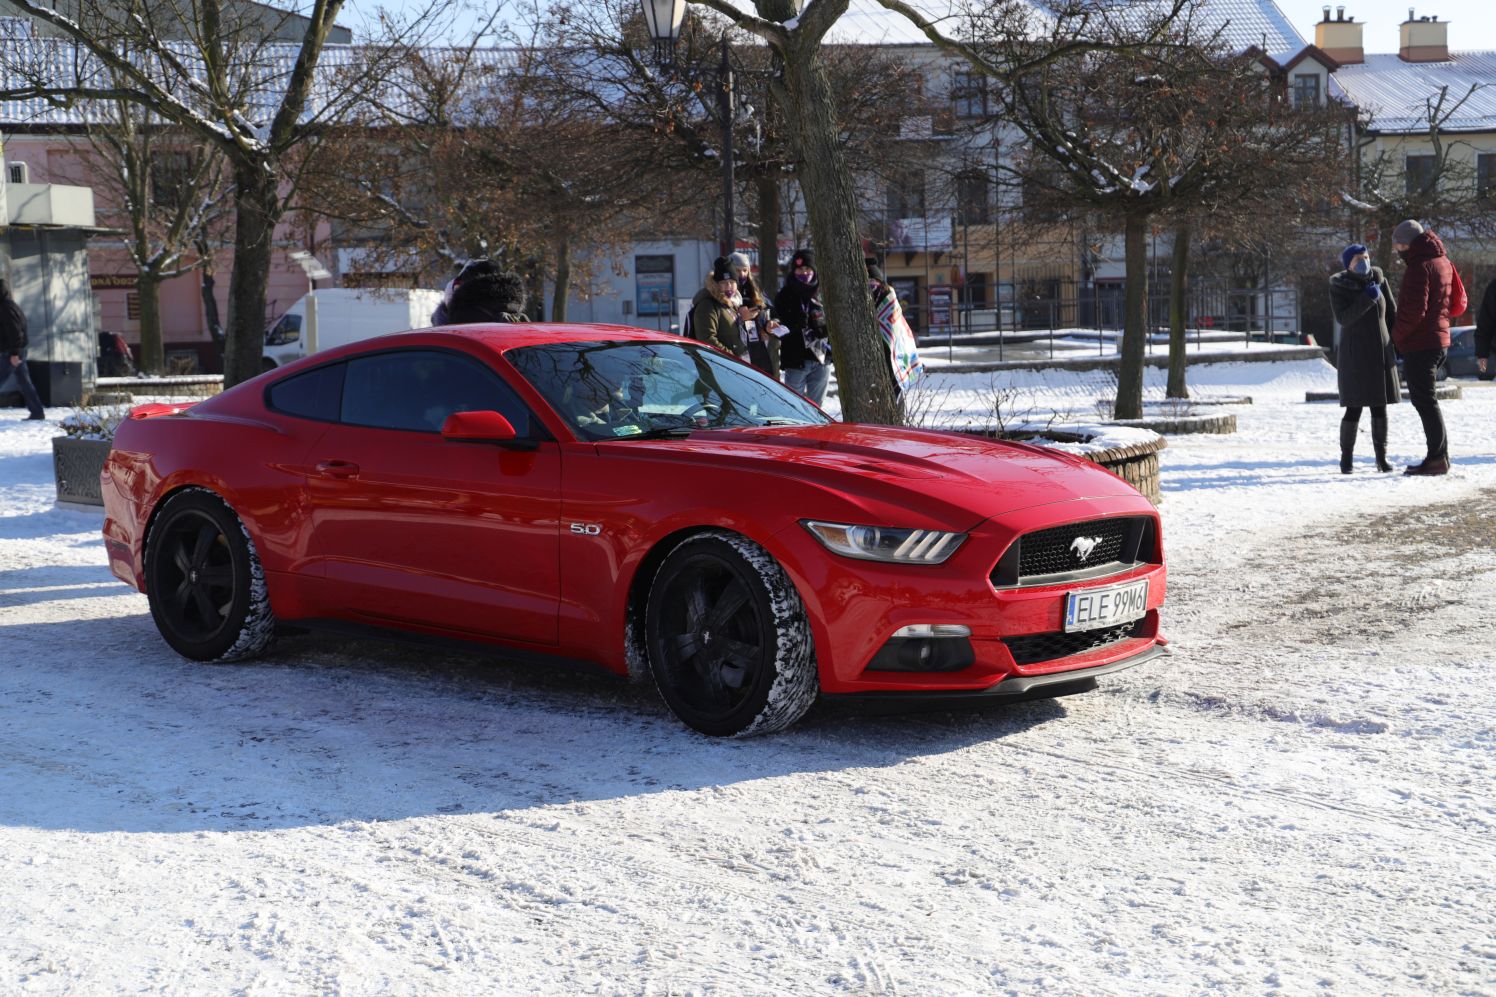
(1142, 118)
(1437, 185)
(164, 187)
(215, 69)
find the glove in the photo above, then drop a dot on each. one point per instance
(1373, 290)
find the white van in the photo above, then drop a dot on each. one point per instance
(346, 315)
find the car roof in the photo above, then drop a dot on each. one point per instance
(501, 337)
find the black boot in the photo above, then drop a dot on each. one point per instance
(1379, 443)
(1347, 445)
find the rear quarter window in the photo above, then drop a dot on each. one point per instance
(316, 394)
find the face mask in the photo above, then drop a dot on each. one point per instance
(1362, 267)
(1402, 254)
(805, 278)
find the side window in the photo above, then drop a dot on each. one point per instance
(317, 394)
(418, 389)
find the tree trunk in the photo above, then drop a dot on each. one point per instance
(1134, 321)
(257, 208)
(866, 387)
(767, 185)
(1178, 285)
(563, 280)
(148, 297)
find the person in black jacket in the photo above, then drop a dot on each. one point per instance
(1365, 367)
(1485, 329)
(13, 351)
(805, 351)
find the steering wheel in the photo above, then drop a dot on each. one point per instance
(702, 411)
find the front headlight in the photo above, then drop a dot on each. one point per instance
(885, 543)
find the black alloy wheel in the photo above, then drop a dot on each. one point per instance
(728, 641)
(203, 580)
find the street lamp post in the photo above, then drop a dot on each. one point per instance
(664, 18)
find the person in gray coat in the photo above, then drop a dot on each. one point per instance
(1366, 366)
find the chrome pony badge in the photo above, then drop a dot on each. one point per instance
(1081, 547)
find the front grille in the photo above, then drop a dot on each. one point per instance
(1108, 545)
(1048, 552)
(1047, 647)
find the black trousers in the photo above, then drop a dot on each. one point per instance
(1353, 413)
(1420, 370)
(23, 382)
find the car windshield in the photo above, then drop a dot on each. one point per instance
(609, 390)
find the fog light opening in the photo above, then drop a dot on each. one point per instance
(931, 630)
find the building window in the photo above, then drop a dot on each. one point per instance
(906, 195)
(1420, 174)
(973, 198)
(1485, 175)
(132, 307)
(969, 94)
(1306, 90)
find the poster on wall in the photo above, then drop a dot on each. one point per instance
(654, 284)
(940, 308)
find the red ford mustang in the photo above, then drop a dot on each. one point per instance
(635, 500)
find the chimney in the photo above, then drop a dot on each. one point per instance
(1340, 39)
(1424, 39)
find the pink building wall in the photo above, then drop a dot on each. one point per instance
(58, 159)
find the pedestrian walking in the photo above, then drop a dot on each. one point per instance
(1366, 366)
(805, 351)
(13, 352)
(714, 314)
(1485, 329)
(1426, 300)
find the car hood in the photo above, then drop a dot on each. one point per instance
(958, 479)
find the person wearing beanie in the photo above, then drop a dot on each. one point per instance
(742, 269)
(1365, 366)
(1430, 294)
(487, 294)
(805, 351)
(476, 267)
(714, 310)
(1406, 232)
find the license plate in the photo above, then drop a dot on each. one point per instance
(1106, 607)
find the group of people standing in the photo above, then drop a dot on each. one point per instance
(1378, 327)
(789, 340)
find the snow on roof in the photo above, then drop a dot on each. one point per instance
(1243, 23)
(59, 61)
(1394, 91)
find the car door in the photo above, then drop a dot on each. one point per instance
(415, 530)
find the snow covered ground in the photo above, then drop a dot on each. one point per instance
(1298, 801)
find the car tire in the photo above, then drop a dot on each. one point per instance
(727, 637)
(204, 580)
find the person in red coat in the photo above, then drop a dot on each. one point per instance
(1425, 302)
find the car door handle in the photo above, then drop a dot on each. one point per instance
(337, 469)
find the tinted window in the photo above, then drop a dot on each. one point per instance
(317, 394)
(616, 390)
(418, 389)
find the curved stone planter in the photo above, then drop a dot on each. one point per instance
(77, 464)
(1220, 423)
(1136, 463)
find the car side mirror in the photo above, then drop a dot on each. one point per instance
(483, 427)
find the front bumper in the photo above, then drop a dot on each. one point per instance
(855, 607)
(1016, 688)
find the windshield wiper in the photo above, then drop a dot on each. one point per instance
(663, 433)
